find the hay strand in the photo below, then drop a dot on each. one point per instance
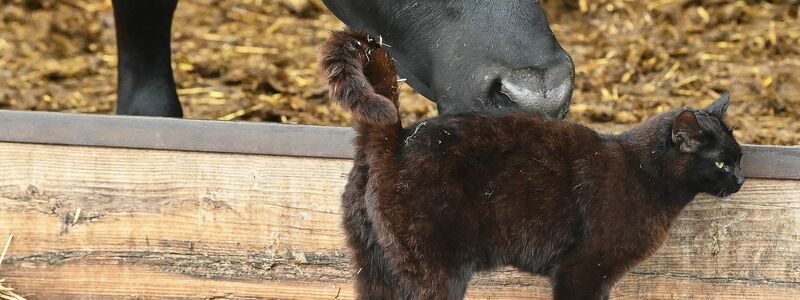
(5, 249)
(7, 293)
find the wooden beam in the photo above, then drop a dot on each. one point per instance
(173, 224)
(261, 138)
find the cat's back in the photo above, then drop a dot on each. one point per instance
(498, 133)
(472, 154)
(477, 179)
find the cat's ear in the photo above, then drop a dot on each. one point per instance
(686, 132)
(719, 106)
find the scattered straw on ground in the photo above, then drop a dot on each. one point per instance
(7, 293)
(638, 58)
(257, 60)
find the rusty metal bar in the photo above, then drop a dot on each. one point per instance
(259, 138)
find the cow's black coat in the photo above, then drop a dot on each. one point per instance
(466, 55)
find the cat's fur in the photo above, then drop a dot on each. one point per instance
(428, 206)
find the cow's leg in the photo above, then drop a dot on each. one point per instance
(146, 86)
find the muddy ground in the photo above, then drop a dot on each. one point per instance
(257, 60)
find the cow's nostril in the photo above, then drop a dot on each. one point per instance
(497, 96)
(526, 88)
(548, 91)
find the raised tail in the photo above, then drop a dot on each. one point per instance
(361, 77)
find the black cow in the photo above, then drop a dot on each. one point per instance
(465, 55)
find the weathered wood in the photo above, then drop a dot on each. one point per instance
(80, 280)
(267, 138)
(157, 224)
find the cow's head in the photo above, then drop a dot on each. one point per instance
(470, 55)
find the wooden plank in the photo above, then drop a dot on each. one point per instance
(81, 280)
(173, 224)
(265, 138)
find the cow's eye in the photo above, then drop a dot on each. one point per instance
(720, 165)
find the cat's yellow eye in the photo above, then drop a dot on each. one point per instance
(720, 164)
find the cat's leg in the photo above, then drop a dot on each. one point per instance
(435, 283)
(586, 277)
(373, 278)
(575, 284)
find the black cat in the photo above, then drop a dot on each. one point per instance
(428, 206)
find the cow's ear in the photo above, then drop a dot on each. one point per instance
(686, 132)
(720, 106)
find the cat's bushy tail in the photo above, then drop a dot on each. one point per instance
(361, 78)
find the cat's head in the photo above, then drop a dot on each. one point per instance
(710, 154)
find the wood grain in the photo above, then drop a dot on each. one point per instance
(169, 224)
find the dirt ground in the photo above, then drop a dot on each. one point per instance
(257, 60)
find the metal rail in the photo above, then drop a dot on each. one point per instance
(175, 134)
(259, 138)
